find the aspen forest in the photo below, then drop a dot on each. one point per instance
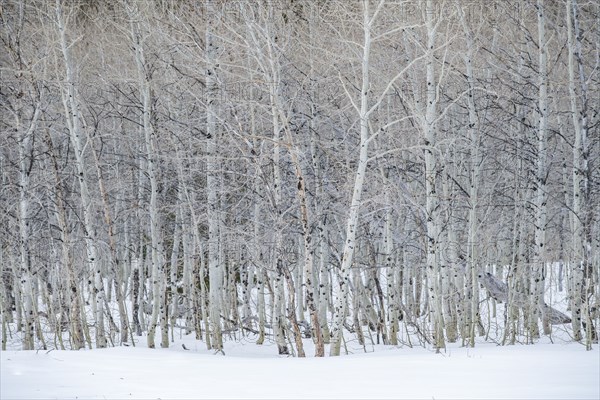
(313, 176)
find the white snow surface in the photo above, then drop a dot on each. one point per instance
(542, 371)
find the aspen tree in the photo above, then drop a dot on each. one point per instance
(26, 164)
(156, 251)
(309, 265)
(261, 274)
(73, 116)
(541, 173)
(581, 244)
(115, 263)
(23, 119)
(475, 162)
(450, 256)
(75, 307)
(393, 297)
(432, 21)
(215, 272)
(339, 315)
(265, 53)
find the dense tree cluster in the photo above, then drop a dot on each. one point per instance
(284, 169)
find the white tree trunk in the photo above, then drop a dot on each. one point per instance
(25, 165)
(157, 256)
(74, 123)
(339, 312)
(390, 268)
(261, 275)
(173, 275)
(74, 306)
(448, 242)
(279, 295)
(581, 244)
(541, 172)
(309, 272)
(212, 183)
(475, 163)
(431, 172)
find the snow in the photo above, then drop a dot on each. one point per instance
(563, 370)
(555, 367)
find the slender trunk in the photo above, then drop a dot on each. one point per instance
(324, 284)
(432, 198)
(74, 123)
(278, 295)
(448, 267)
(359, 179)
(261, 276)
(75, 326)
(26, 164)
(475, 162)
(541, 173)
(309, 272)
(157, 270)
(580, 173)
(187, 289)
(320, 274)
(292, 314)
(278, 320)
(135, 288)
(215, 272)
(173, 271)
(116, 268)
(202, 299)
(390, 268)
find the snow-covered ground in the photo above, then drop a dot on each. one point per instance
(542, 371)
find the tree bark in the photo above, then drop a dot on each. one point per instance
(74, 122)
(339, 315)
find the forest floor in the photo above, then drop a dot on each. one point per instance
(559, 370)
